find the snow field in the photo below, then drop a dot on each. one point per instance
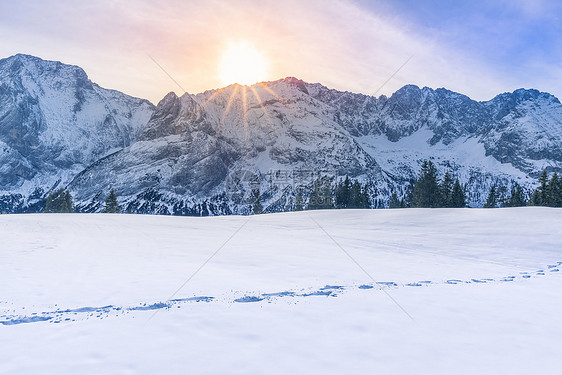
(483, 288)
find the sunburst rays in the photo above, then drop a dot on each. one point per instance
(200, 106)
(228, 105)
(262, 105)
(273, 93)
(245, 111)
(244, 95)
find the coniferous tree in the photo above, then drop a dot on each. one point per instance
(321, 196)
(535, 198)
(559, 192)
(111, 204)
(314, 198)
(540, 195)
(299, 204)
(543, 188)
(356, 199)
(365, 201)
(426, 190)
(359, 197)
(458, 198)
(492, 200)
(553, 195)
(517, 197)
(257, 207)
(408, 195)
(501, 194)
(446, 189)
(68, 201)
(343, 193)
(327, 196)
(59, 201)
(395, 202)
(204, 208)
(49, 207)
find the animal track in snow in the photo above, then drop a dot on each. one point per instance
(74, 314)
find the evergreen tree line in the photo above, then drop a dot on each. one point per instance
(350, 194)
(60, 201)
(548, 193)
(324, 195)
(431, 192)
(345, 194)
(498, 197)
(428, 190)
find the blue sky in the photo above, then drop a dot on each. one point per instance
(479, 48)
(510, 33)
(519, 41)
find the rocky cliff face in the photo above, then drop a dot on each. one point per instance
(54, 122)
(193, 145)
(204, 153)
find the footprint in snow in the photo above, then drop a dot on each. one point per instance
(154, 306)
(194, 299)
(332, 287)
(319, 293)
(249, 299)
(29, 319)
(59, 316)
(280, 294)
(388, 283)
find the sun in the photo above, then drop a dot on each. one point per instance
(242, 63)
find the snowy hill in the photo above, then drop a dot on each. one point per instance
(99, 293)
(204, 153)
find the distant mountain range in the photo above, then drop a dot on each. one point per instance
(202, 154)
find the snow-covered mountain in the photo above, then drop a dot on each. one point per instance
(54, 122)
(194, 147)
(204, 153)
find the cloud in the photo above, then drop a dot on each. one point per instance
(338, 43)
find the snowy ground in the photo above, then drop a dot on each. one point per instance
(450, 291)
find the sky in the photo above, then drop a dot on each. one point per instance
(478, 48)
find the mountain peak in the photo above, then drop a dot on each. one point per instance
(293, 80)
(21, 57)
(534, 94)
(35, 68)
(522, 95)
(54, 121)
(297, 83)
(30, 59)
